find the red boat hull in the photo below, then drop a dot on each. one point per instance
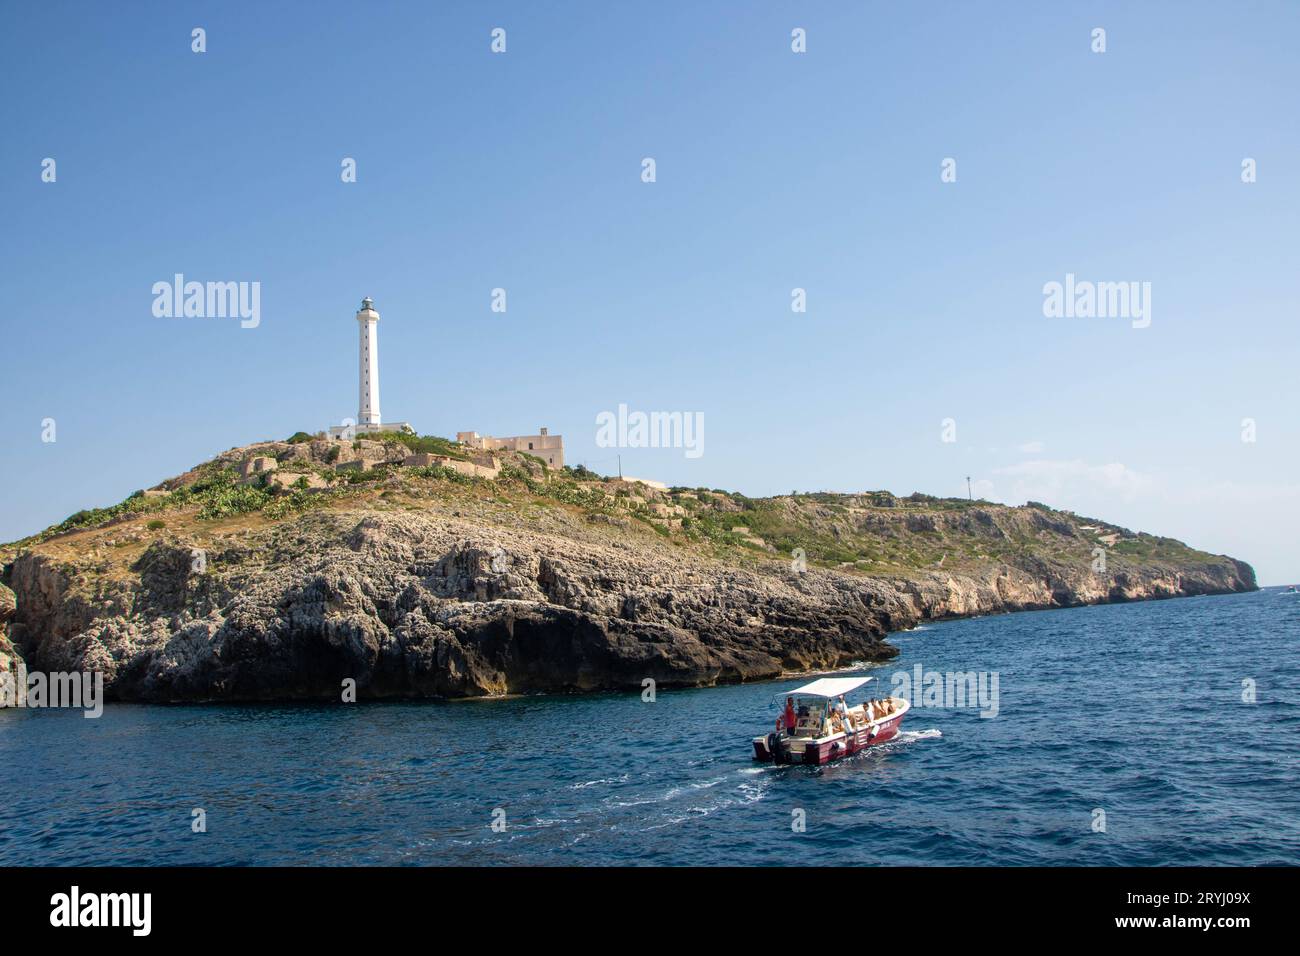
(845, 745)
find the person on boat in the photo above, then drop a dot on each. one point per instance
(790, 720)
(835, 716)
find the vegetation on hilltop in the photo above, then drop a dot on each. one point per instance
(422, 444)
(873, 533)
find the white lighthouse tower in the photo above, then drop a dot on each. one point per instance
(368, 419)
(368, 320)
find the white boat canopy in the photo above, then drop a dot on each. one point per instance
(829, 687)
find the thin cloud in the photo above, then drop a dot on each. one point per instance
(1053, 481)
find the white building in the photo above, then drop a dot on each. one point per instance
(543, 445)
(368, 418)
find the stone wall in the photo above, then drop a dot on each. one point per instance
(484, 468)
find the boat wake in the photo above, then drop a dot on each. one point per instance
(911, 736)
(596, 783)
(634, 807)
(743, 794)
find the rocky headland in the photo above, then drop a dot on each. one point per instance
(418, 569)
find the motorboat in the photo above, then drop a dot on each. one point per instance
(825, 727)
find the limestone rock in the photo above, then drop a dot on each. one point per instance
(437, 587)
(10, 657)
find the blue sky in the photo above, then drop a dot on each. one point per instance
(775, 170)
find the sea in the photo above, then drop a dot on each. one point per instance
(1156, 733)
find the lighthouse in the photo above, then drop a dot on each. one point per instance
(368, 419)
(368, 321)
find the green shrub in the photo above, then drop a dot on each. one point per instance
(442, 473)
(91, 517)
(157, 524)
(296, 501)
(423, 444)
(233, 500)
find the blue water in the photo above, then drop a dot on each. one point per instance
(1132, 709)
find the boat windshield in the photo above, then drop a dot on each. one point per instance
(810, 714)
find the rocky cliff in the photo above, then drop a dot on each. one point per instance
(425, 582)
(10, 658)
